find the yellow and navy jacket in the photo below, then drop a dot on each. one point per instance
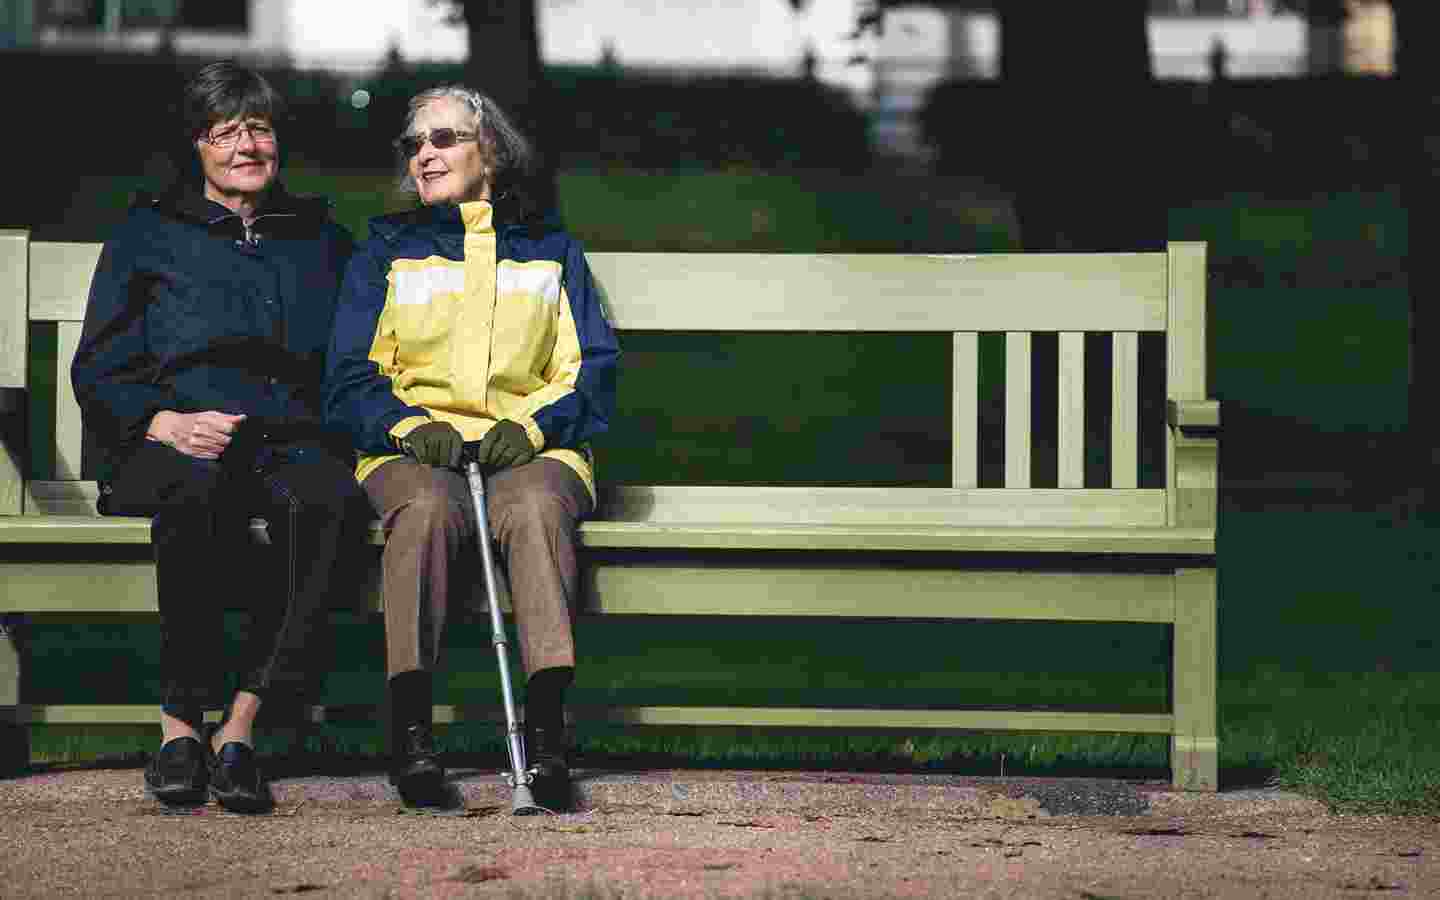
(445, 316)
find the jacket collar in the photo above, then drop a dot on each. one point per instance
(445, 222)
(190, 204)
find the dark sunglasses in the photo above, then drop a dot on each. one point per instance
(440, 138)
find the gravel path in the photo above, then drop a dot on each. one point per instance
(94, 833)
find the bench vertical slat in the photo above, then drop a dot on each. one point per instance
(1125, 410)
(1017, 409)
(965, 412)
(69, 435)
(1184, 342)
(12, 459)
(14, 308)
(1070, 411)
(1194, 747)
(14, 331)
(10, 661)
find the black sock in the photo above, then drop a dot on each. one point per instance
(410, 699)
(545, 698)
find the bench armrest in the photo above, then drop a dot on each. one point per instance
(1195, 418)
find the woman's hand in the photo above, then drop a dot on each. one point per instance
(203, 435)
(506, 444)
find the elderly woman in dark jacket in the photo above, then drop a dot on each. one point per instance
(198, 374)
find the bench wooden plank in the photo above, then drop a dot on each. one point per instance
(1194, 749)
(653, 588)
(60, 273)
(742, 716)
(899, 538)
(758, 292)
(1017, 409)
(902, 506)
(1201, 416)
(684, 504)
(12, 452)
(799, 589)
(1185, 325)
(940, 719)
(1184, 347)
(119, 586)
(965, 411)
(600, 534)
(1125, 410)
(14, 368)
(69, 433)
(14, 253)
(1070, 411)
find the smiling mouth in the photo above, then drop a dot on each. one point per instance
(432, 176)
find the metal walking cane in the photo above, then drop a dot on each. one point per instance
(519, 777)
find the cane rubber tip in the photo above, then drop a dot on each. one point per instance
(522, 803)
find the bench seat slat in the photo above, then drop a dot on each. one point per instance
(974, 507)
(795, 717)
(749, 586)
(1139, 540)
(899, 538)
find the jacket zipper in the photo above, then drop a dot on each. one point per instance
(251, 238)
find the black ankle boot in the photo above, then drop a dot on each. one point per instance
(545, 747)
(414, 762)
(550, 782)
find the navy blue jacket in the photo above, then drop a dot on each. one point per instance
(191, 311)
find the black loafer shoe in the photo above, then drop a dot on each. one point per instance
(176, 774)
(415, 769)
(235, 780)
(550, 773)
(550, 784)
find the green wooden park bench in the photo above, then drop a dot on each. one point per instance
(1119, 553)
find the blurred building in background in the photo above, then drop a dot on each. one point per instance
(889, 71)
(307, 34)
(923, 44)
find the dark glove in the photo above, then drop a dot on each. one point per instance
(434, 444)
(506, 444)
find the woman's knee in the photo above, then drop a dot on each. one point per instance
(533, 511)
(432, 507)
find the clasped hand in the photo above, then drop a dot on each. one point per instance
(440, 444)
(203, 435)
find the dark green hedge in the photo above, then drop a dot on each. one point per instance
(1321, 133)
(123, 113)
(603, 119)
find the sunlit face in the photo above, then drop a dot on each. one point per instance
(240, 158)
(456, 174)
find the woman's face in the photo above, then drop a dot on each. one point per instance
(455, 174)
(239, 157)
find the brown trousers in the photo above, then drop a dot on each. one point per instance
(431, 554)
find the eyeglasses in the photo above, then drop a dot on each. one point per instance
(229, 136)
(439, 138)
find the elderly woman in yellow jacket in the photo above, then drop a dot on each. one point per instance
(470, 319)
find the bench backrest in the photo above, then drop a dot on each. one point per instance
(1017, 295)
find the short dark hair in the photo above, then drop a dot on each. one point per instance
(226, 90)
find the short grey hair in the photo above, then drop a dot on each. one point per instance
(508, 154)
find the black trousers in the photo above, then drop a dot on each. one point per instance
(206, 562)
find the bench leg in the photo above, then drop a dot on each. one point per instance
(14, 735)
(1195, 746)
